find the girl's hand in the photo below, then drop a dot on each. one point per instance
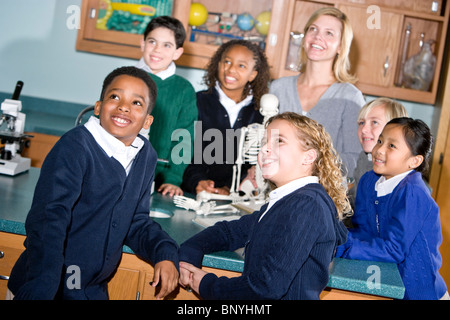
(167, 274)
(170, 189)
(251, 176)
(195, 275)
(205, 185)
(185, 277)
(208, 186)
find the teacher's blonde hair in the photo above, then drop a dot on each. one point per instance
(341, 65)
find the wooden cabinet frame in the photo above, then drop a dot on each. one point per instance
(196, 55)
(285, 18)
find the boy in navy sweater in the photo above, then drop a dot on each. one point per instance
(92, 197)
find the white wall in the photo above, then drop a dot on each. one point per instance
(37, 47)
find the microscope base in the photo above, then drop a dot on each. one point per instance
(14, 166)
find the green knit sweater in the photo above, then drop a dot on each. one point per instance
(176, 108)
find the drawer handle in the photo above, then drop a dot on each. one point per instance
(3, 277)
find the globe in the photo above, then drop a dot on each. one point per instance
(263, 22)
(245, 22)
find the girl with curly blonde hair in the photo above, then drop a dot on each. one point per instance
(290, 242)
(327, 164)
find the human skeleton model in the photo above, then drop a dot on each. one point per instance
(249, 146)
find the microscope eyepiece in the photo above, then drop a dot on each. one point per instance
(17, 91)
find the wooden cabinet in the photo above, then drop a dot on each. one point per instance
(133, 277)
(196, 53)
(442, 197)
(374, 67)
(11, 246)
(132, 282)
(379, 28)
(39, 146)
(440, 172)
(90, 38)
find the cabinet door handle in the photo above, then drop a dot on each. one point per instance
(3, 277)
(386, 65)
(92, 13)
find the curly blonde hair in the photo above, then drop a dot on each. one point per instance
(327, 166)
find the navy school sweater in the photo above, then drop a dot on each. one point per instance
(85, 208)
(287, 253)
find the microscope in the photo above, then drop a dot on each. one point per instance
(13, 137)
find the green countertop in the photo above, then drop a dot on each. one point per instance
(382, 279)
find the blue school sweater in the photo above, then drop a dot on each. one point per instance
(401, 227)
(85, 208)
(287, 252)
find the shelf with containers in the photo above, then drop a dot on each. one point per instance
(114, 27)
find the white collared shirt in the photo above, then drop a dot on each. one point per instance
(288, 188)
(113, 146)
(230, 105)
(384, 187)
(170, 71)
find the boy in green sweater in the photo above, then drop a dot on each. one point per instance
(176, 103)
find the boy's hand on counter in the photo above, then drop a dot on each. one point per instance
(166, 275)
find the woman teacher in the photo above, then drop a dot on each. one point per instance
(324, 90)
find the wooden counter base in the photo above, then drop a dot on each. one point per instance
(133, 277)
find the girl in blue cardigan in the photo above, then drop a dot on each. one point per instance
(291, 241)
(396, 219)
